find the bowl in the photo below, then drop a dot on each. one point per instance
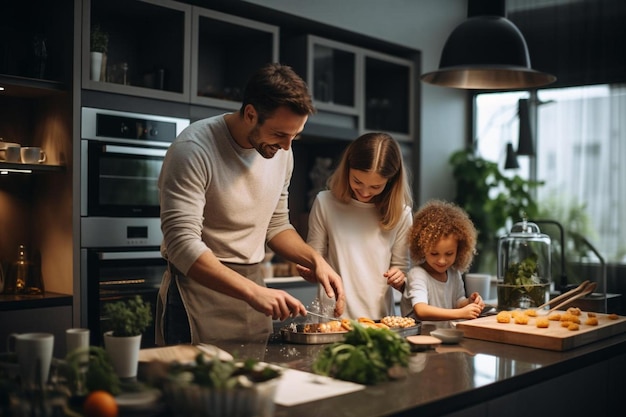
(448, 336)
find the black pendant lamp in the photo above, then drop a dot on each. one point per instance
(486, 52)
(511, 158)
(526, 144)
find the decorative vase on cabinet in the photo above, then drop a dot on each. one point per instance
(96, 65)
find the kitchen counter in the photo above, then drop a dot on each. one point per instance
(473, 378)
(25, 301)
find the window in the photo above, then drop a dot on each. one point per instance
(580, 142)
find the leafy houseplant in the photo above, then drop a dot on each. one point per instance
(99, 45)
(127, 321)
(128, 318)
(99, 40)
(491, 199)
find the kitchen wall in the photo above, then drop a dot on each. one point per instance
(418, 24)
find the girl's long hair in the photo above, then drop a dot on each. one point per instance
(379, 153)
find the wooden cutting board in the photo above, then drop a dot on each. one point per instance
(555, 337)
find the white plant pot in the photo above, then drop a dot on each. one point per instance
(124, 353)
(96, 65)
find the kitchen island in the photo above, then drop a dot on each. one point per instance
(473, 378)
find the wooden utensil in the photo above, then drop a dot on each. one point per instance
(588, 290)
(578, 289)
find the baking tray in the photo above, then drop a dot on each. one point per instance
(309, 338)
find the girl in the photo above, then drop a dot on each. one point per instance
(360, 225)
(442, 243)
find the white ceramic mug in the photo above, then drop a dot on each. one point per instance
(32, 155)
(34, 355)
(479, 283)
(76, 338)
(12, 153)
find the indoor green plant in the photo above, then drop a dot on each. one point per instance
(492, 200)
(128, 318)
(126, 321)
(99, 45)
(99, 40)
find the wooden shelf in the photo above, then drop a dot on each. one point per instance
(16, 86)
(18, 167)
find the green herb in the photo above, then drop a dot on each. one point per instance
(367, 355)
(128, 318)
(523, 273)
(96, 373)
(216, 373)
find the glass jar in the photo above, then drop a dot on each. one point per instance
(524, 274)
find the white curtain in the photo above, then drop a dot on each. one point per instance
(581, 156)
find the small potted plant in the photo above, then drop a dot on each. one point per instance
(126, 321)
(99, 42)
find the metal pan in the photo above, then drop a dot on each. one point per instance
(308, 338)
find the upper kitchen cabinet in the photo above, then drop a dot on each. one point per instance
(148, 48)
(225, 51)
(355, 89)
(388, 101)
(36, 45)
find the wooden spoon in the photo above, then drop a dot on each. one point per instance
(588, 290)
(578, 289)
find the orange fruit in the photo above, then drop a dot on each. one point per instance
(100, 404)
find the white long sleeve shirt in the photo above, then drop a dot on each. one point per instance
(215, 194)
(349, 236)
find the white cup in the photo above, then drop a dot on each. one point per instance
(32, 155)
(479, 283)
(12, 153)
(76, 338)
(34, 355)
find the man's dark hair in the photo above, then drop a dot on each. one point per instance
(275, 85)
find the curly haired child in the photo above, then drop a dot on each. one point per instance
(442, 242)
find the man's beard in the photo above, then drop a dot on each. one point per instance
(265, 150)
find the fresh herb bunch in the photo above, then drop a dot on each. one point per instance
(367, 355)
(99, 375)
(219, 374)
(128, 318)
(523, 273)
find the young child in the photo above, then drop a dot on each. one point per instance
(442, 242)
(361, 224)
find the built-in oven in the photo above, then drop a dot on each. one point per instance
(112, 272)
(120, 234)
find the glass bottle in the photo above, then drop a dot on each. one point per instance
(18, 273)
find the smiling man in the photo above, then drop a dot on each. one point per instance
(223, 195)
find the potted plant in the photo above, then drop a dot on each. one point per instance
(99, 44)
(492, 200)
(126, 321)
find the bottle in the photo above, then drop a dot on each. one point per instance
(18, 273)
(22, 277)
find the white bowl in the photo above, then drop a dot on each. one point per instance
(448, 336)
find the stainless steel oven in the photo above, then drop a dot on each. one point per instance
(121, 158)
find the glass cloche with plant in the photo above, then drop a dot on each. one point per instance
(524, 273)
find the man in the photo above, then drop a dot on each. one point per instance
(223, 195)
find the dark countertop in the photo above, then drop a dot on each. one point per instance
(449, 379)
(23, 301)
